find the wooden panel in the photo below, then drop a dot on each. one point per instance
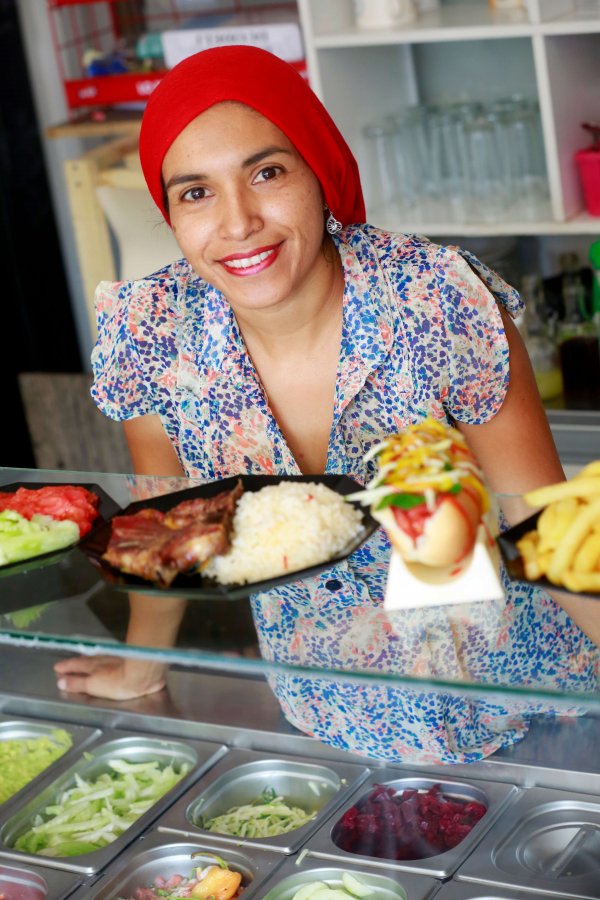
(67, 430)
(92, 234)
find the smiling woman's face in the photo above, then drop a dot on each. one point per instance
(245, 208)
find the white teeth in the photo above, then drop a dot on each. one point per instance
(249, 261)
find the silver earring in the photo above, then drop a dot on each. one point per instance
(332, 225)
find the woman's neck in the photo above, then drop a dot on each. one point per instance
(301, 324)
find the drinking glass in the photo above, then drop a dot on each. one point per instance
(447, 163)
(410, 154)
(379, 172)
(526, 164)
(486, 187)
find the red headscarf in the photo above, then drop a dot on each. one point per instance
(273, 88)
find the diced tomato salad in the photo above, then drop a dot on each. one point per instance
(412, 521)
(59, 501)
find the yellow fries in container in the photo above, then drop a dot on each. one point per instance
(565, 545)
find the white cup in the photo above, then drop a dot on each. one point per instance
(384, 13)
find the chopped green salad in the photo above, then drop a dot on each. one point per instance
(21, 759)
(22, 538)
(94, 812)
(266, 816)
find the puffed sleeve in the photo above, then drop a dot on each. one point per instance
(475, 343)
(120, 388)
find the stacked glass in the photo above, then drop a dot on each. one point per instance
(457, 162)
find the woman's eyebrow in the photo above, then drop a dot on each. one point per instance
(250, 161)
(261, 154)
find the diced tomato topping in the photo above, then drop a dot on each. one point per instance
(61, 502)
(412, 521)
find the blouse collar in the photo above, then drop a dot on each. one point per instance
(210, 325)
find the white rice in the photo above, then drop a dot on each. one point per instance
(282, 528)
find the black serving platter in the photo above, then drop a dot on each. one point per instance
(197, 586)
(507, 541)
(106, 510)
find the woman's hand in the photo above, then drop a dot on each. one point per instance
(517, 453)
(153, 622)
(110, 677)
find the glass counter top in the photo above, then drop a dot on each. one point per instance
(526, 650)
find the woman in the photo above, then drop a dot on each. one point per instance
(289, 340)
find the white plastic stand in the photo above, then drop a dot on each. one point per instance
(412, 585)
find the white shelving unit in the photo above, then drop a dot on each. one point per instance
(549, 51)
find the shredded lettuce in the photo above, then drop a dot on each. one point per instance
(266, 816)
(93, 813)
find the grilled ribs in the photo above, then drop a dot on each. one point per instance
(159, 546)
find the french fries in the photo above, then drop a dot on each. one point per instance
(565, 546)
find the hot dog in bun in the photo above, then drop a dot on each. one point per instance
(428, 494)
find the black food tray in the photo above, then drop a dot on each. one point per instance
(203, 588)
(507, 541)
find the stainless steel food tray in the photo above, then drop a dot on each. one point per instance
(313, 784)
(17, 728)
(386, 884)
(35, 882)
(130, 746)
(494, 795)
(548, 841)
(460, 890)
(156, 853)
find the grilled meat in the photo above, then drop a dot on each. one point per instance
(158, 546)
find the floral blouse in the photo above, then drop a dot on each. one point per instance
(422, 335)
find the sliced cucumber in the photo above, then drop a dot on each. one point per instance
(355, 887)
(330, 894)
(309, 890)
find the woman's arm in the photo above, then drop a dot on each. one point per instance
(516, 449)
(153, 621)
(152, 453)
(517, 453)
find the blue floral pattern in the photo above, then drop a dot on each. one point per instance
(422, 335)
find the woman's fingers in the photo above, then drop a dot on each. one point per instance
(73, 684)
(110, 677)
(82, 665)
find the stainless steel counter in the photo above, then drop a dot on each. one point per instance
(559, 758)
(242, 712)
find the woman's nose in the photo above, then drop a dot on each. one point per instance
(239, 215)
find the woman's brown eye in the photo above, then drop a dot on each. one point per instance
(269, 172)
(196, 193)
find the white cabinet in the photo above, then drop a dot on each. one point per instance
(549, 51)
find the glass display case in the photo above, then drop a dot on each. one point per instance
(470, 649)
(239, 717)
